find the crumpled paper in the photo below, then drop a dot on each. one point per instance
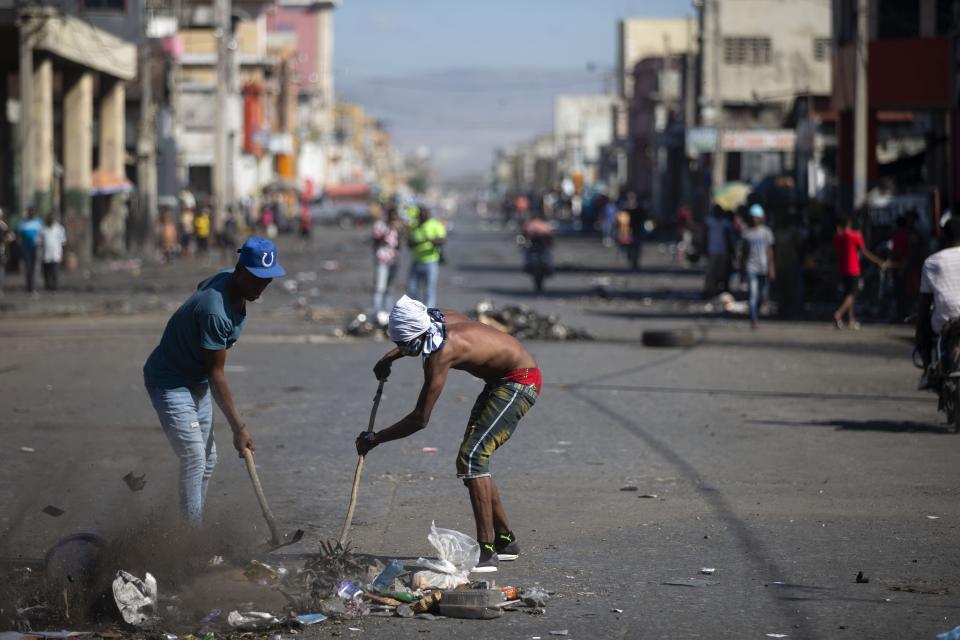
(136, 598)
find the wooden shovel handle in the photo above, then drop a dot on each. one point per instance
(261, 498)
(356, 474)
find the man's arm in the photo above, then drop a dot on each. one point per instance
(435, 376)
(771, 265)
(215, 361)
(382, 368)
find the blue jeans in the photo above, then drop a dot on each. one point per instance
(186, 417)
(29, 255)
(423, 282)
(383, 275)
(759, 290)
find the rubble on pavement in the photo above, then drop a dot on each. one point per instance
(335, 584)
(523, 322)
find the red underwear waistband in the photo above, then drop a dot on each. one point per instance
(526, 376)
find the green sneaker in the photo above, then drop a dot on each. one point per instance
(506, 546)
(488, 559)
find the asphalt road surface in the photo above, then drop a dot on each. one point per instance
(788, 459)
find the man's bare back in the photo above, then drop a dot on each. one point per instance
(480, 350)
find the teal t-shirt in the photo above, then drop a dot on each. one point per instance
(206, 321)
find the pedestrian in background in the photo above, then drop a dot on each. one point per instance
(5, 238)
(718, 245)
(186, 230)
(28, 235)
(168, 235)
(52, 238)
(759, 265)
(228, 237)
(386, 258)
(201, 230)
(425, 239)
(848, 245)
(638, 229)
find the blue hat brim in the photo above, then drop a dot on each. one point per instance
(276, 271)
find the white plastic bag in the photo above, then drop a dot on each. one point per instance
(136, 598)
(457, 555)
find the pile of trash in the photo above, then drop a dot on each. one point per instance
(523, 322)
(363, 326)
(336, 584)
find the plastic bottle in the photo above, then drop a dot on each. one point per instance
(383, 581)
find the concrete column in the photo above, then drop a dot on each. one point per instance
(41, 131)
(112, 120)
(25, 126)
(78, 161)
(113, 225)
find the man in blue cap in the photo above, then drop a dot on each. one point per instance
(187, 367)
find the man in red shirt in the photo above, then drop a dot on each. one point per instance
(848, 245)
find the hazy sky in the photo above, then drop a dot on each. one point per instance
(462, 78)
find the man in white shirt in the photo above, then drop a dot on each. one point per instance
(939, 295)
(52, 238)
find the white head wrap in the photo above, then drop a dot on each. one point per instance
(410, 319)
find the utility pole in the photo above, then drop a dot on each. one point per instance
(221, 159)
(860, 111)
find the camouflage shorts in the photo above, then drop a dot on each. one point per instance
(493, 419)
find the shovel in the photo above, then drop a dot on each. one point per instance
(356, 474)
(276, 541)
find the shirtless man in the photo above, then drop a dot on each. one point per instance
(448, 340)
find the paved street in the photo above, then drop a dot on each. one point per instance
(789, 459)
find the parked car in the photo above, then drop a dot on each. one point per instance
(346, 205)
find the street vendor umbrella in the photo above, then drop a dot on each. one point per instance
(731, 195)
(104, 184)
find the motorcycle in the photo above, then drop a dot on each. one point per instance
(537, 258)
(944, 374)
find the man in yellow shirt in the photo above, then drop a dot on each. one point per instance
(201, 230)
(425, 239)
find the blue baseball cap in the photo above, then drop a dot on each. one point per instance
(259, 257)
(756, 211)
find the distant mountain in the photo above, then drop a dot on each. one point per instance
(463, 114)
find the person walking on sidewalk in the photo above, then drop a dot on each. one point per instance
(28, 234)
(719, 243)
(425, 239)
(386, 257)
(759, 265)
(6, 237)
(52, 238)
(848, 245)
(448, 340)
(187, 368)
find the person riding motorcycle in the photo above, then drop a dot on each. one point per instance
(939, 307)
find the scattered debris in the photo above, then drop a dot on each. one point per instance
(708, 571)
(349, 591)
(534, 597)
(472, 604)
(776, 635)
(51, 510)
(251, 620)
(215, 561)
(524, 323)
(362, 326)
(562, 632)
(630, 487)
(28, 449)
(210, 617)
(862, 579)
(907, 588)
(616, 610)
(933, 517)
(649, 495)
(430, 450)
(689, 582)
(457, 555)
(135, 483)
(136, 598)
(307, 619)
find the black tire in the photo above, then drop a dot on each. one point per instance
(956, 406)
(682, 338)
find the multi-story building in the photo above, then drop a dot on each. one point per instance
(909, 112)
(756, 57)
(582, 126)
(65, 135)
